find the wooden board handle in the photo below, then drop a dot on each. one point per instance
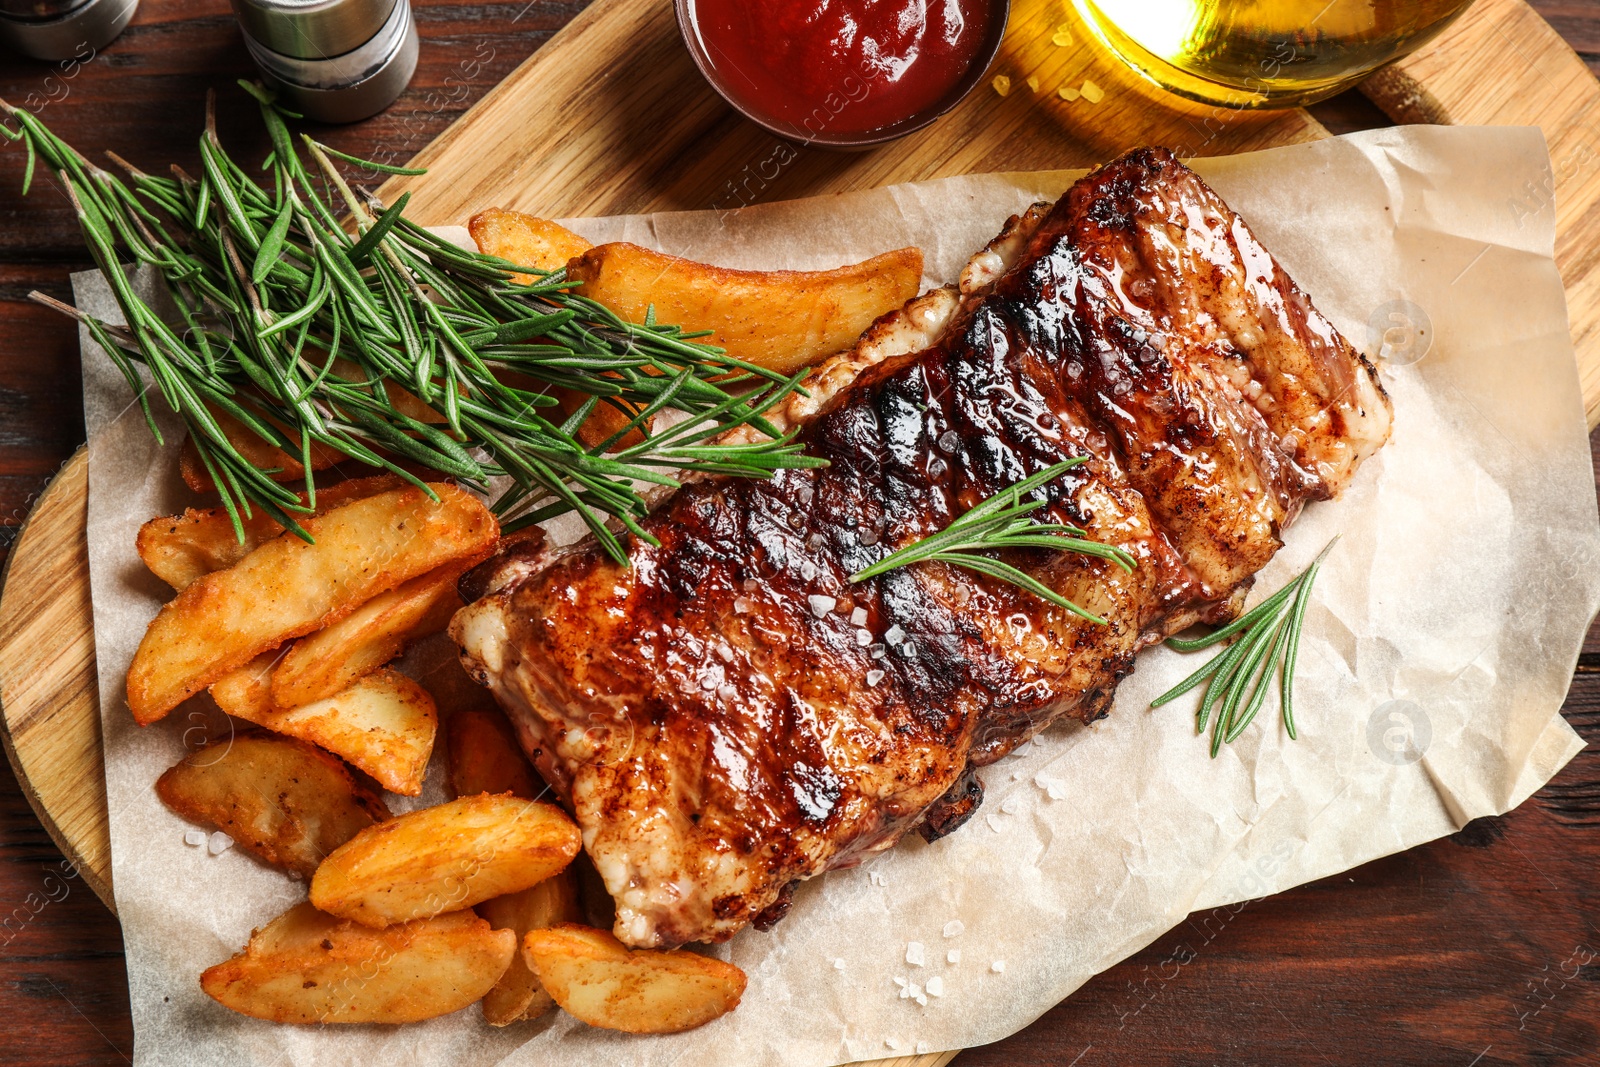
(1546, 85)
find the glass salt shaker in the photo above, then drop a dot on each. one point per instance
(61, 30)
(332, 60)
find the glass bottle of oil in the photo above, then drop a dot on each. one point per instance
(1263, 53)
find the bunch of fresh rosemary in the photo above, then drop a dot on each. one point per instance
(1004, 521)
(296, 328)
(1240, 677)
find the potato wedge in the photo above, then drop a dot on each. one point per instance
(259, 453)
(484, 756)
(525, 240)
(384, 724)
(287, 587)
(601, 981)
(444, 858)
(180, 548)
(268, 456)
(518, 995)
(325, 663)
(784, 320)
(284, 801)
(534, 242)
(307, 967)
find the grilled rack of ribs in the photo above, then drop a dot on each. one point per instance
(728, 715)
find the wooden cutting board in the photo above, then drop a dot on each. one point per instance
(611, 116)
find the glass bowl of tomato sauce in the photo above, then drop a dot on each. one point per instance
(843, 73)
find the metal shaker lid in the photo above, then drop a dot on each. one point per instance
(312, 29)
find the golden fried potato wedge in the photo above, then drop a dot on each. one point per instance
(259, 453)
(307, 967)
(534, 242)
(518, 995)
(484, 756)
(283, 800)
(601, 981)
(444, 858)
(784, 320)
(267, 456)
(384, 724)
(180, 548)
(403, 400)
(525, 240)
(287, 587)
(329, 661)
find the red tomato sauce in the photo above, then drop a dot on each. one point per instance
(840, 66)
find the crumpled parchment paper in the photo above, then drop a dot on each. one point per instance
(1437, 650)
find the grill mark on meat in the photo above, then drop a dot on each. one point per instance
(705, 712)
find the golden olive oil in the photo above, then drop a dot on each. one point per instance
(1263, 53)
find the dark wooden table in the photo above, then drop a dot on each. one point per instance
(1478, 950)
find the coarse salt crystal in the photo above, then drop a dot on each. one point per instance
(863, 637)
(899, 981)
(1067, 92)
(1092, 92)
(915, 953)
(218, 843)
(998, 966)
(914, 990)
(877, 651)
(890, 1042)
(908, 650)
(894, 634)
(1062, 37)
(194, 837)
(1055, 787)
(808, 570)
(937, 467)
(725, 652)
(708, 682)
(870, 536)
(838, 964)
(858, 617)
(922, 1000)
(743, 605)
(728, 692)
(949, 441)
(874, 677)
(1033, 84)
(953, 956)
(814, 542)
(905, 992)
(993, 820)
(821, 603)
(935, 986)
(751, 585)
(1002, 84)
(954, 927)
(1012, 805)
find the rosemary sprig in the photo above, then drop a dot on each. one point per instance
(306, 333)
(1000, 522)
(1269, 639)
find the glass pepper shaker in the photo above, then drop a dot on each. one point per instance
(58, 30)
(332, 60)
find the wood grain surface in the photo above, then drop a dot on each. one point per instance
(1458, 950)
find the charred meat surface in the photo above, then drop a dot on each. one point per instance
(729, 715)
